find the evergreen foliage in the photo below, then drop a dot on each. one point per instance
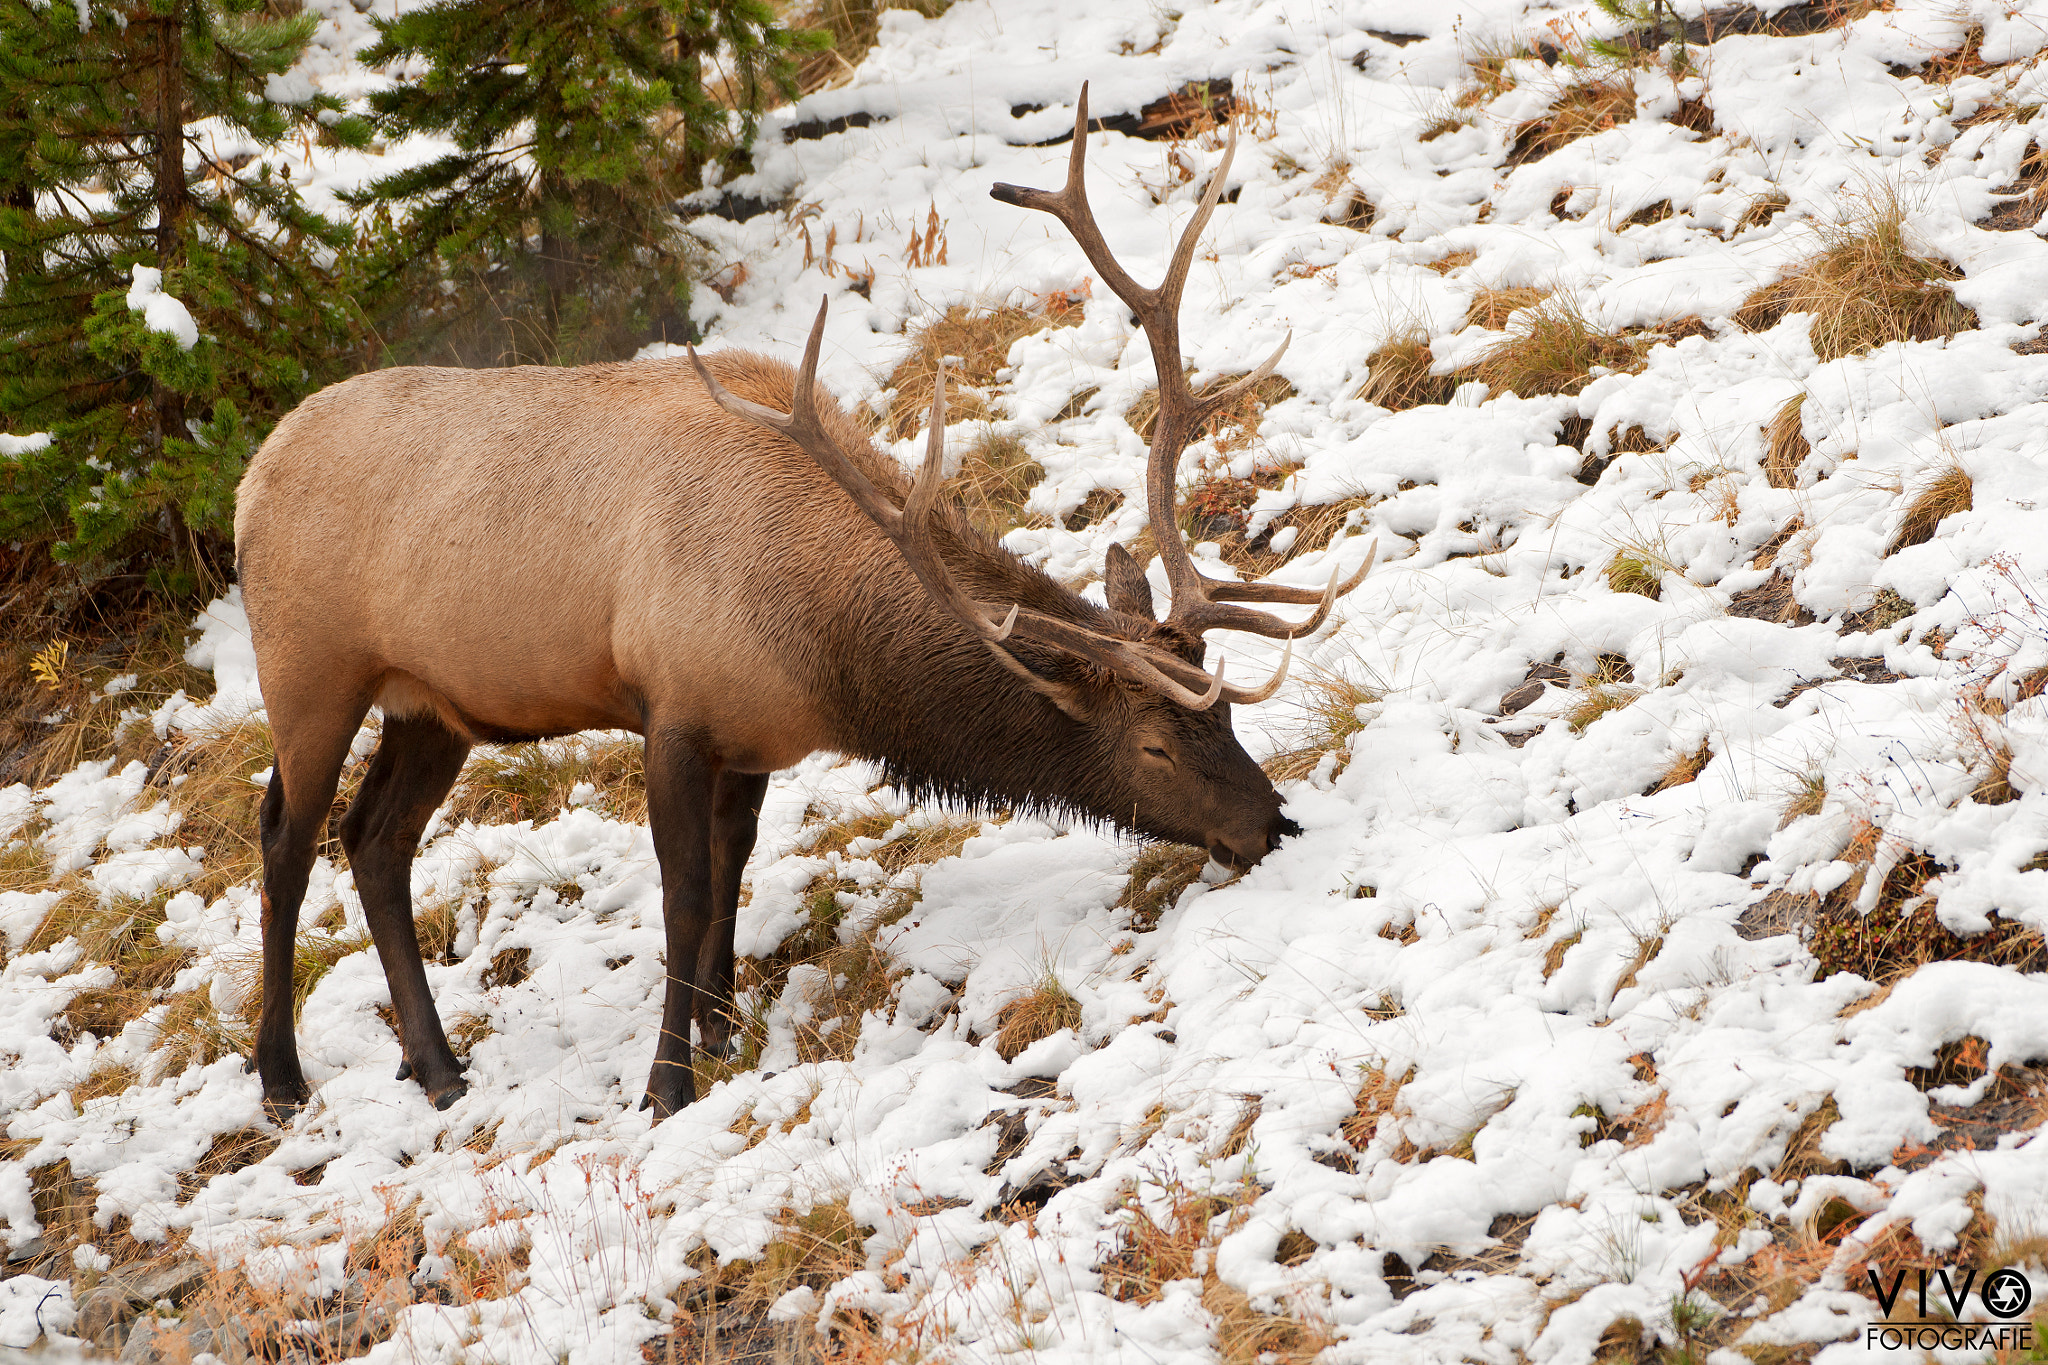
(132, 199)
(577, 125)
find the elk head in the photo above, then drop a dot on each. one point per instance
(1155, 751)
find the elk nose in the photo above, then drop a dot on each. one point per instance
(1281, 828)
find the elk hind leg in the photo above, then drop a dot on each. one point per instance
(417, 761)
(312, 742)
(681, 777)
(735, 820)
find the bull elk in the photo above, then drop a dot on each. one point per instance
(730, 569)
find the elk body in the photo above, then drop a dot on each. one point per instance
(719, 561)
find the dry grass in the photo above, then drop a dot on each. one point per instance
(1553, 347)
(218, 801)
(994, 481)
(1398, 374)
(1685, 768)
(1486, 68)
(1325, 722)
(1491, 308)
(1037, 1014)
(1378, 1089)
(532, 781)
(314, 953)
(1785, 444)
(853, 26)
(975, 345)
(1636, 569)
(121, 934)
(816, 1249)
(1865, 288)
(1157, 877)
(1580, 112)
(1949, 492)
(1609, 687)
(57, 716)
(1809, 796)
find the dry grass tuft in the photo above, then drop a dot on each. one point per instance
(975, 345)
(1580, 112)
(1609, 687)
(1039, 1013)
(533, 781)
(1808, 797)
(1785, 444)
(1866, 288)
(1157, 877)
(1378, 1089)
(1949, 492)
(1398, 374)
(1636, 569)
(1491, 308)
(1552, 347)
(1326, 720)
(1160, 1249)
(1685, 768)
(995, 480)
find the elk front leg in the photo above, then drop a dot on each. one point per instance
(735, 819)
(680, 781)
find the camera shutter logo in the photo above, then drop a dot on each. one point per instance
(2006, 1293)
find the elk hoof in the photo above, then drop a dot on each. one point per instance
(281, 1109)
(451, 1094)
(404, 1071)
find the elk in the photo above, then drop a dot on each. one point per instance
(711, 554)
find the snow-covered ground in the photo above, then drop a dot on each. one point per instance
(1536, 966)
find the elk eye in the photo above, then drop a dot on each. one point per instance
(1157, 752)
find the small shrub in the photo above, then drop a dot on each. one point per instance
(1398, 374)
(1785, 444)
(1039, 1013)
(1949, 492)
(1903, 931)
(1866, 288)
(1553, 347)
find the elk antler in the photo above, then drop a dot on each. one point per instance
(910, 528)
(1199, 603)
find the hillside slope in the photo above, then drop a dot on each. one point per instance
(1661, 952)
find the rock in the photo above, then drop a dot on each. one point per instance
(120, 1296)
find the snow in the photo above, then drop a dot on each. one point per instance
(1517, 929)
(160, 311)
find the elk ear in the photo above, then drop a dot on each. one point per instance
(1125, 584)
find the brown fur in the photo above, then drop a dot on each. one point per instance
(504, 554)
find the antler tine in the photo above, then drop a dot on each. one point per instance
(1207, 614)
(1246, 696)
(1217, 590)
(1237, 387)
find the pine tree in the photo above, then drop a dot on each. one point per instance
(577, 124)
(168, 295)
